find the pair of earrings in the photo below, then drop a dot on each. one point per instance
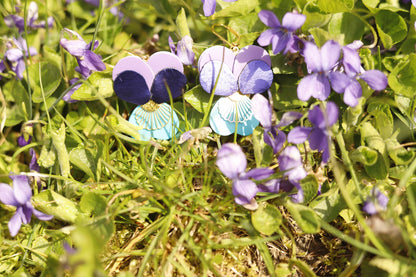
(230, 73)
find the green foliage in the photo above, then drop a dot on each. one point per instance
(266, 219)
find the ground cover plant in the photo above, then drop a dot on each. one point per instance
(207, 138)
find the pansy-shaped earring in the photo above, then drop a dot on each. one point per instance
(234, 75)
(150, 85)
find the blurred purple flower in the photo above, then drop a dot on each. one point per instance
(280, 35)
(32, 17)
(88, 61)
(209, 6)
(67, 97)
(290, 162)
(183, 50)
(19, 196)
(262, 110)
(22, 141)
(319, 62)
(347, 82)
(319, 136)
(14, 56)
(376, 202)
(232, 163)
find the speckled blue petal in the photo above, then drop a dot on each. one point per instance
(157, 124)
(225, 112)
(130, 86)
(172, 78)
(256, 77)
(226, 84)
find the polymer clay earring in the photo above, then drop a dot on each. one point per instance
(234, 75)
(151, 85)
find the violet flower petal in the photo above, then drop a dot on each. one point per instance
(339, 81)
(15, 223)
(262, 110)
(266, 37)
(330, 53)
(231, 160)
(288, 118)
(21, 188)
(312, 57)
(42, 216)
(375, 79)
(93, 61)
(7, 195)
(259, 173)
(293, 21)
(299, 134)
(209, 7)
(352, 93)
(269, 19)
(74, 47)
(351, 61)
(244, 190)
(33, 162)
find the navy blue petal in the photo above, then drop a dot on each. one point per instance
(171, 78)
(130, 86)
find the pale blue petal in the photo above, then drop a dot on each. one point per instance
(157, 124)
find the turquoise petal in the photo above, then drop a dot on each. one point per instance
(225, 112)
(156, 124)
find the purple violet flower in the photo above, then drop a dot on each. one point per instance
(232, 163)
(32, 17)
(247, 72)
(263, 111)
(67, 97)
(375, 202)
(22, 141)
(19, 196)
(183, 50)
(209, 6)
(319, 136)
(14, 56)
(88, 61)
(280, 35)
(290, 162)
(319, 62)
(347, 82)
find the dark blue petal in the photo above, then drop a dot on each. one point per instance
(171, 78)
(256, 77)
(130, 86)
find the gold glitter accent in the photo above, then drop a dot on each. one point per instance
(150, 106)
